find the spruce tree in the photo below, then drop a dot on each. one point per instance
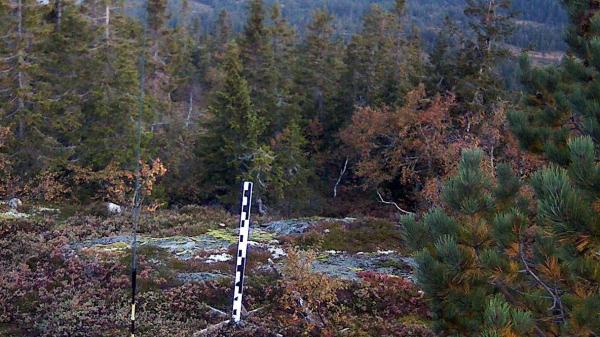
(283, 43)
(380, 61)
(229, 147)
(65, 76)
(256, 54)
(223, 32)
(292, 176)
(320, 68)
(23, 28)
(107, 129)
(468, 63)
(491, 21)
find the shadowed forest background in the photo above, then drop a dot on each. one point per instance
(285, 94)
(463, 134)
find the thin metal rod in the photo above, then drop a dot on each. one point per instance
(137, 198)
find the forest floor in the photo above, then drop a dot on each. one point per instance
(310, 276)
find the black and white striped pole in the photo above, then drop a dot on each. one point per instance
(238, 288)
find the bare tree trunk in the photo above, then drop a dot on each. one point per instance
(59, 10)
(340, 178)
(191, 108)
(107, 21)
(20, 62)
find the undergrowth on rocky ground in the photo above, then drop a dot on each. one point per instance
(48, 289)
(362, 235)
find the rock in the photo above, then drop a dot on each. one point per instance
(276, 252)
(223, 257)
(184, 248)
(46, 210)
(13, 214)
(113, 208)
(300, 226)
(347, 266)
(15, 203)
(212, 252)
(288, 227)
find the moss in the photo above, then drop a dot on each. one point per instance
(113, 247)
(414, 320)
(322, 257)
(261, 236)
(223, 234)
(369, 235)
(391, 263)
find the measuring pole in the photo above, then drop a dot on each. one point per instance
(137, 198)
(238, 287)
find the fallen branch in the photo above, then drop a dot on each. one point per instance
(307, 313)
(392, 203)
(216, 327)
(217, 311)
(211, 329)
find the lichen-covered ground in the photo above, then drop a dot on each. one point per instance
(69, 276)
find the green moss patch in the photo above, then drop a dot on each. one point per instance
(368, 235)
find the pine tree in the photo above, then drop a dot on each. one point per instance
(561, 100)
(544, 262)
(468, 261)
(560, 119)
(230, 147)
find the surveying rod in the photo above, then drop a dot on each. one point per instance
(238, 288)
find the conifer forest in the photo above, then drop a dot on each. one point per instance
(283, 168)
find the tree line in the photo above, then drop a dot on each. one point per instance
(315, 120)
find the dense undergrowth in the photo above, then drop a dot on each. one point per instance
(49, 289)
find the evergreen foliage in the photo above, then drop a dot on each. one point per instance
(537, 266)
(234, 129)
(463, 268)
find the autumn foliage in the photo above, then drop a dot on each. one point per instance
(403, 146)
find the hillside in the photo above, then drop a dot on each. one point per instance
(540, 23)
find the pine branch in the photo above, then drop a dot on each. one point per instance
(557, 302)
